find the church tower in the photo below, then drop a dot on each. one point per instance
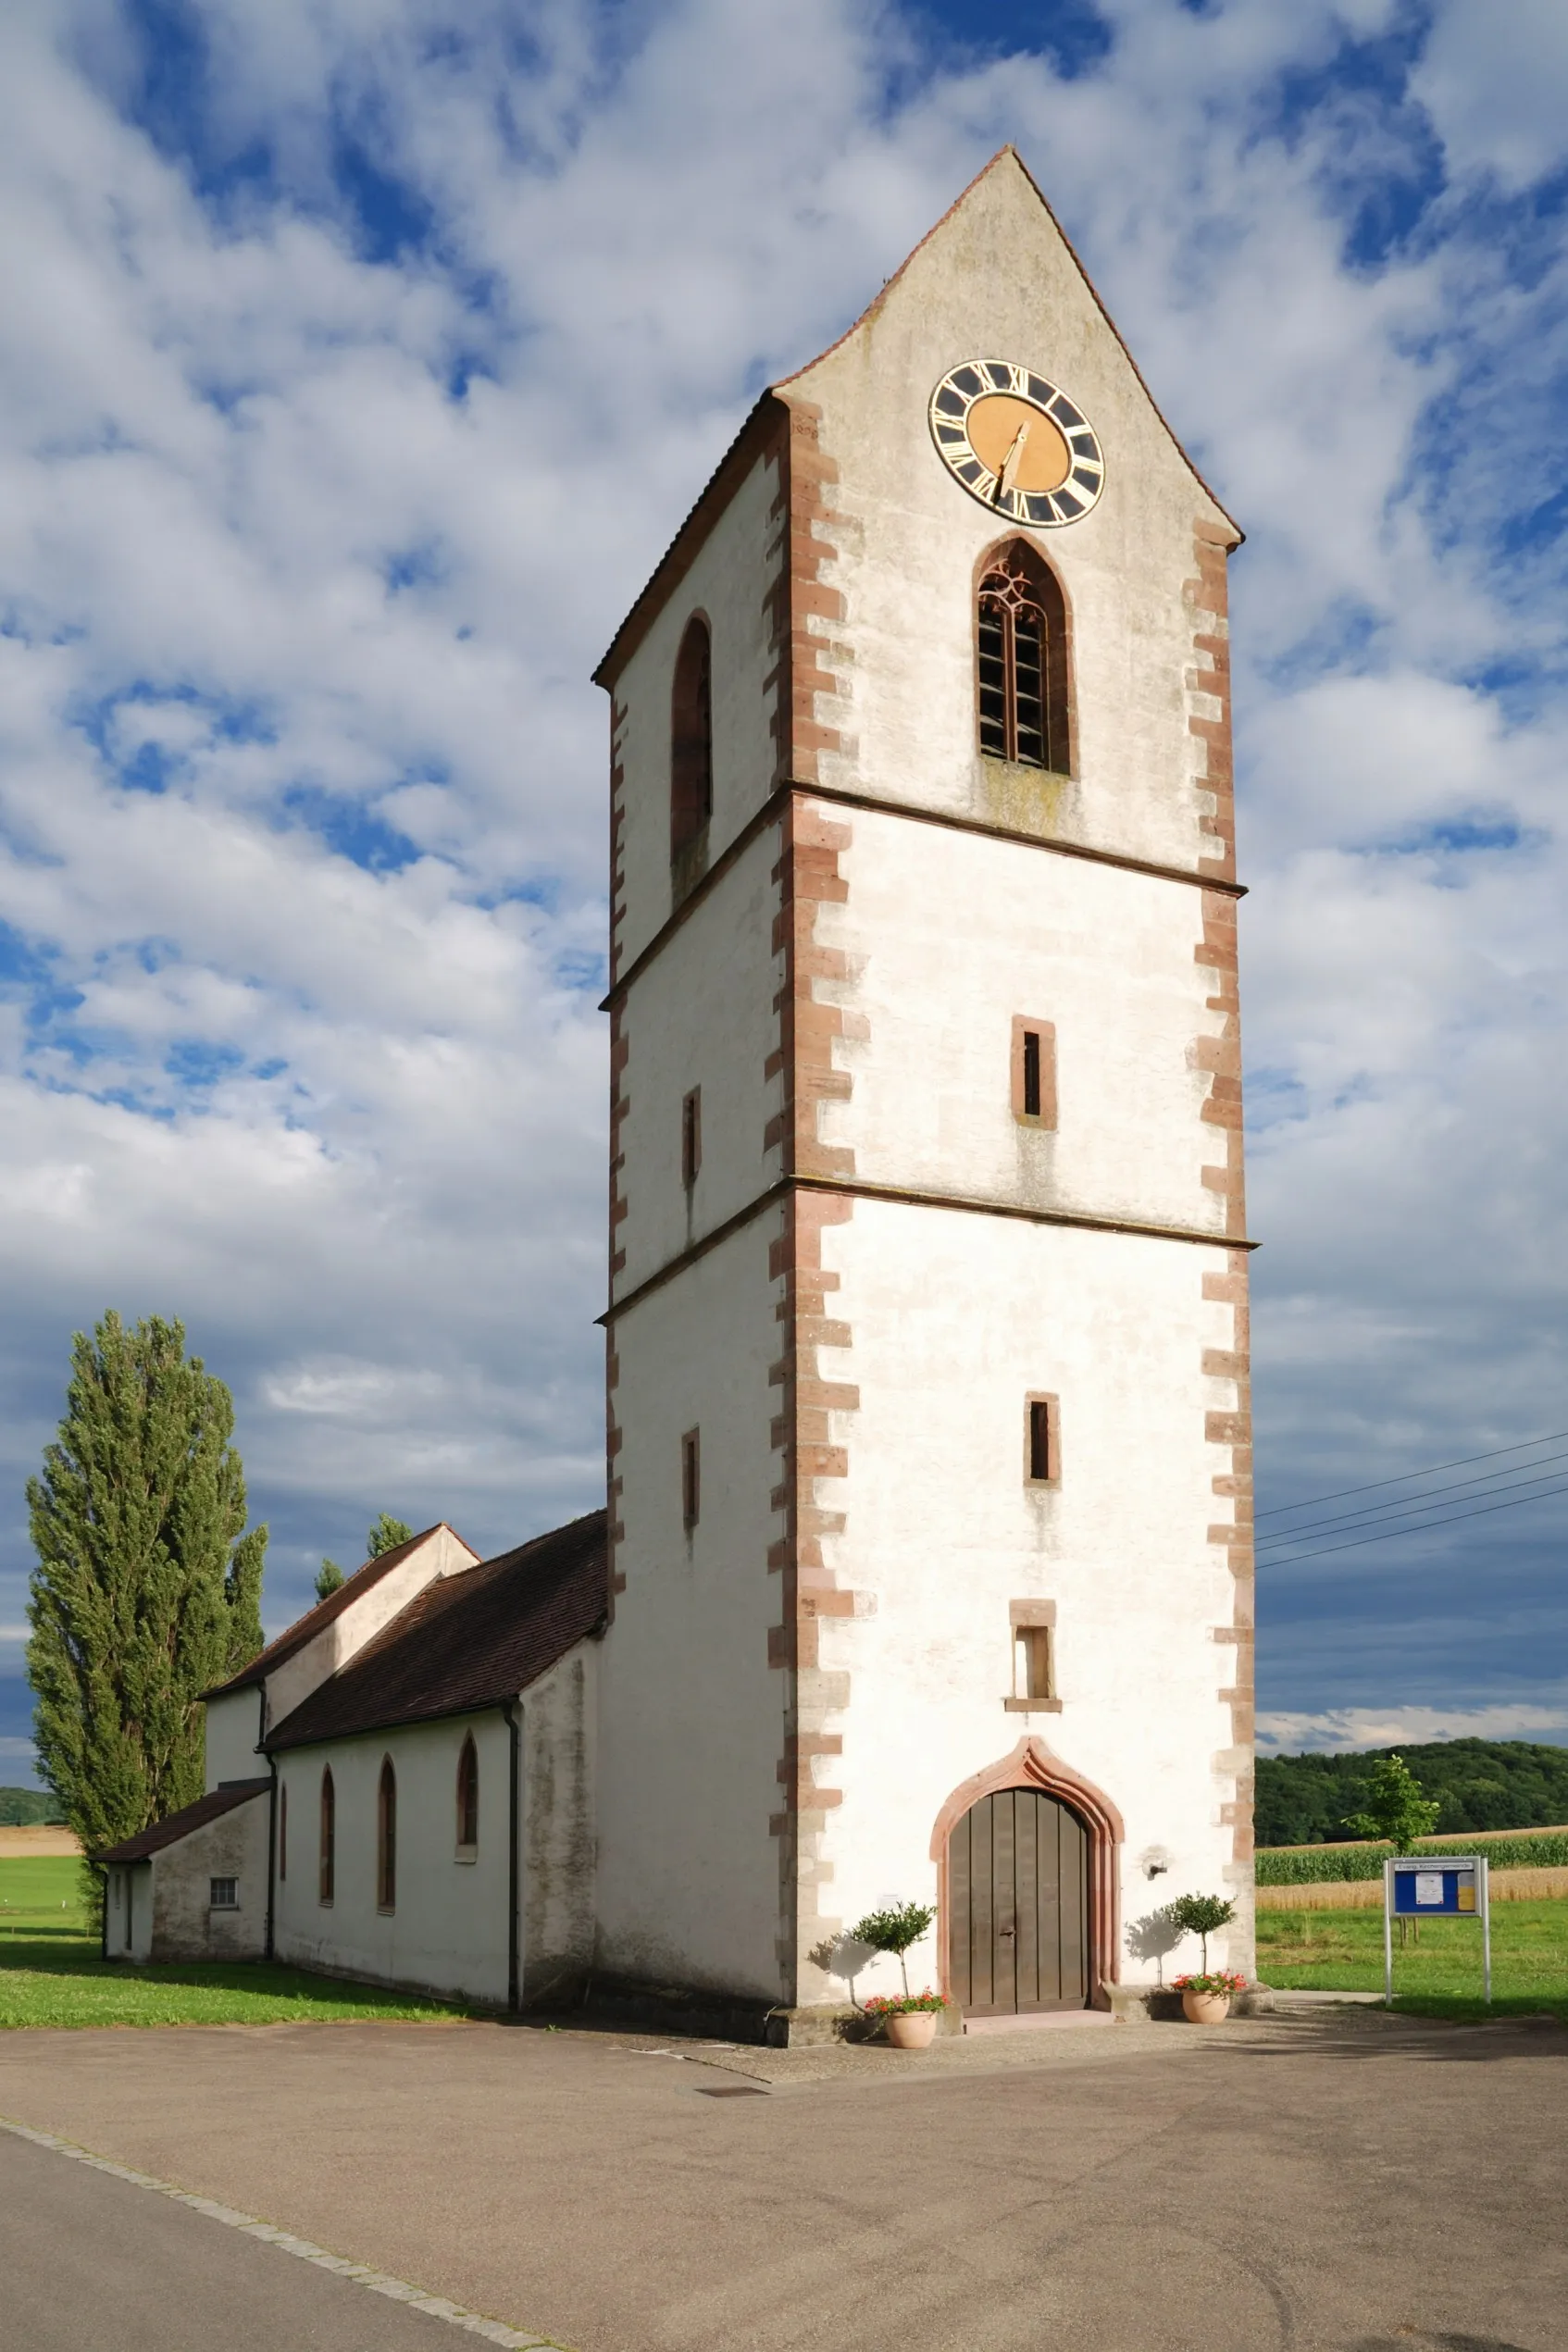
(929, 1445)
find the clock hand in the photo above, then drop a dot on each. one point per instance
(1011, 462)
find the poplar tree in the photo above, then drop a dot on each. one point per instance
(386, 1535)
(147, 1590)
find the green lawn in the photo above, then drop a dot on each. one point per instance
(51, 1975)
(1441, 1976)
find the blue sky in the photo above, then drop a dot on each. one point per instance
(359, 357)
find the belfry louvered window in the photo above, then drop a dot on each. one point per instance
(1021, 648)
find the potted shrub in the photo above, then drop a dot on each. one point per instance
(908, 2020)
(1207, 1994)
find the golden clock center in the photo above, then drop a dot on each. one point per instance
(993, 424)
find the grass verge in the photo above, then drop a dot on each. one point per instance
(50, 1973)
(1341, 1951)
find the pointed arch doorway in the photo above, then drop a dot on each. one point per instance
(1028, 1877)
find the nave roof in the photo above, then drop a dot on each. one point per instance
(465, 1642)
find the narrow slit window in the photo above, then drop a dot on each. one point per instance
(690, 1137)
(386, 1838)
(690, 1479)
(692, 751)
(284, 1831)
(328, 1870)
(1034, 1071)
(1034, 1680)
(468, 1797)
(1021, 661)
(1042, 1442)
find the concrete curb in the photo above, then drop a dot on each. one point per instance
(359, 2273)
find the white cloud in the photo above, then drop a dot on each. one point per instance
(1495, 82)
(1341, 1729)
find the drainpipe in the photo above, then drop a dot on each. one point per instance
(514, 1973)
(272, 1852)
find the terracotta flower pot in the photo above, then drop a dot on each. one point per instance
(1205, 2009)
(912, 2029)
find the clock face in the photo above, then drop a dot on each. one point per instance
(1017, 443)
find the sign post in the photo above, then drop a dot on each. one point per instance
(1434, 1886)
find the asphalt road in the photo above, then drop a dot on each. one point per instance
(1332, 2184)
(90, 2261)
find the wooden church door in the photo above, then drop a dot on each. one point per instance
(1018, 1905)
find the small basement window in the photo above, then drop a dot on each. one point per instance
(225, 1895)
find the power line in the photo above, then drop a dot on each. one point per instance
(1290, 1560)
(1281, 1509)
(1497, 1480)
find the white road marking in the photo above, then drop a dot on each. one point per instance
(378, 2281)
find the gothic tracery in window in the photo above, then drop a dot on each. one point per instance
(1023, 661)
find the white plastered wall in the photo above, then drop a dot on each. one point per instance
(234, 1737)
(1106, 956)
(956, 1319)
(559, 1717)
(185, 1925)
(997, 280)
(702, 1015)
(728, 581)
(448, 1932)
(129, 1912)
(693, 1713)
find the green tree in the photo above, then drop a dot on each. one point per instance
(1395, 1809)
(147, 1591)
(385, 1536)
(895, 1930)
(329, 1576)
(1200, 1915)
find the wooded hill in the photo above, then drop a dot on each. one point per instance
(1482, 1784)
(23, 1808)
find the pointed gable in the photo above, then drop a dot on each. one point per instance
(318, 1644)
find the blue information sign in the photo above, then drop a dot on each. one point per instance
(1421, 1893)
(1434, 1886)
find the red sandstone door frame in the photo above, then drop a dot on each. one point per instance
(1032, 1765)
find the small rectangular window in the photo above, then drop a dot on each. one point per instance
(690, 1137)
(1034, 1658)
(225, 1895)
(1034, 1071)
(690, 1479)
(1042, 1441)
(284, 1831)
(1034, 1680)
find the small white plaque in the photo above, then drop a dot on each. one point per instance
(1430, 1886)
